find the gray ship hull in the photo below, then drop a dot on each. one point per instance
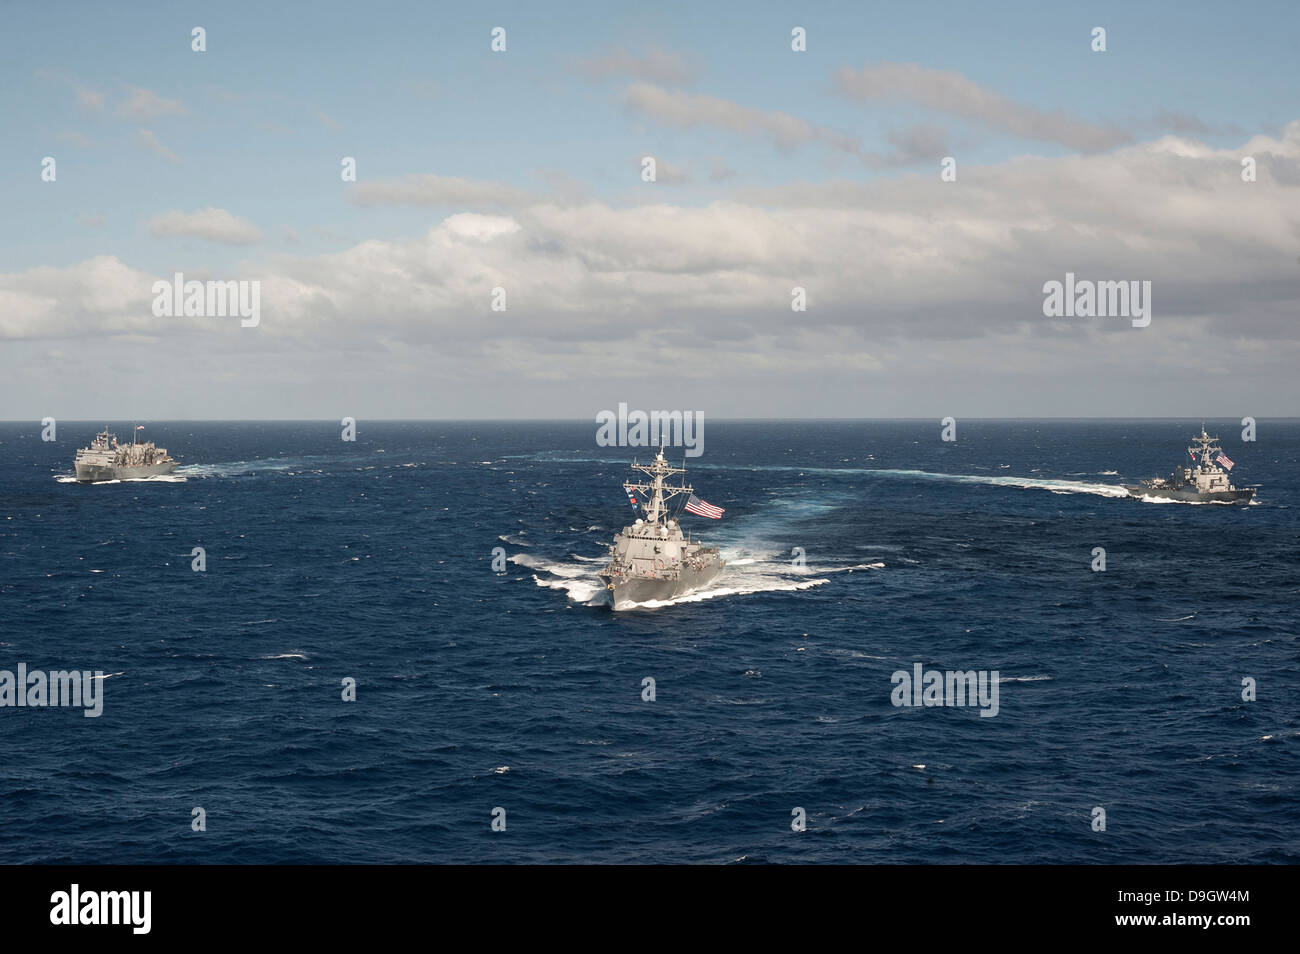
(96, 473)
(1193, 496)
(647, 589)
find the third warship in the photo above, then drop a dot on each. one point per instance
(106, 459)
(653, 559)
(1206, 481)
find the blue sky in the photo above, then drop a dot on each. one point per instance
(141, 126)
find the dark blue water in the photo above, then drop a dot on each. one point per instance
(373, 560)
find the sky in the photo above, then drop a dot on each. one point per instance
(522, 169)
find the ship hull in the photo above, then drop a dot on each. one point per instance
(97, 473)
(1193, 496)
(627, 593)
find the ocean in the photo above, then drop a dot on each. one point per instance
(496, 684)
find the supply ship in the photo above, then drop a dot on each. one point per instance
(106, 459)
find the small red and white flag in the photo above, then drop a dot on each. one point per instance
(700, 508)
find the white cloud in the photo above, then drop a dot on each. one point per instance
(910, 280)
(687, 110)
(147, 139)
(212, 225)
(88, 98)
(144, 105)
(666, 173)
(100, 296)
(91, 100)
(75, 139)
(655, 65)
(950, 92)
(435, 190)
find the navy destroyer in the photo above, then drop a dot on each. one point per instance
(1206, 481)
(106, 459)
(652, 559)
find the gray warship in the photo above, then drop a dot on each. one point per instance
(1206, 481)
(652, 559)
(106, 459)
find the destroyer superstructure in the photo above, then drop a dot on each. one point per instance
(106, 459)
(652, 559)
(1206, 481)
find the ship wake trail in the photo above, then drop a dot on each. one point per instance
(243, 468)
(1023, 483)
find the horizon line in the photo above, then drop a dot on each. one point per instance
(592, 420)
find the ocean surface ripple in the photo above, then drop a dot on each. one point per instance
(373, 560)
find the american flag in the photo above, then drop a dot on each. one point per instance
(699, 507)
(1223, 460)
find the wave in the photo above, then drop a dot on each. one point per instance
(590, 592)
(755, 563)
(850, 569)
(1145, 498)
(549, 566)
(577, 580)
(741, 588)
(155, 479)
(741, 577)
